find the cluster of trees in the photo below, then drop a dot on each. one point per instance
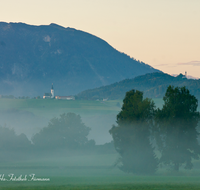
(20, 97)
(171, 129)
(8, 96)
(65, 132)
(9, 140)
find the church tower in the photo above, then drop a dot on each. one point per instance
(52, 92)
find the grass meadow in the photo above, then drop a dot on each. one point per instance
(52, 107)
(75, 170)
(83, 171)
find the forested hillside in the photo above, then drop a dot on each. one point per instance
(153, 85)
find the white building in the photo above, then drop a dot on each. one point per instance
(65, 97)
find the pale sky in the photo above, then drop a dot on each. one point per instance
(162, 33)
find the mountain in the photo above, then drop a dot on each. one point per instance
(153, 85)
(33, 57)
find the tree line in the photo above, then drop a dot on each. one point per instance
(64, 132)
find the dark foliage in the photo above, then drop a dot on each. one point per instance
(176, 128)
(9, 140)
(131, 135)
(66, 132)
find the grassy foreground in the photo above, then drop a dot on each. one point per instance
(95, 171)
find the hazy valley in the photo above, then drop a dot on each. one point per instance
(110, 136)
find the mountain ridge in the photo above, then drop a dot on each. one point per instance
(33, 57)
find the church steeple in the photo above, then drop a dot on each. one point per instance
(52, 92)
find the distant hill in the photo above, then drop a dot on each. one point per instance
(153, 85)
(33, 57)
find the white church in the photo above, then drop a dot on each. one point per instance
(52, 95)
(49, 95)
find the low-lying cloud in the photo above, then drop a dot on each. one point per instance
(193, 63)
(161, 65)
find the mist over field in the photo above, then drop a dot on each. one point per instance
(29, 116)
(77, 166)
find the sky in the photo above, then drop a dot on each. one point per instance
(162, 33)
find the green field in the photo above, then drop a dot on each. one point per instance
(125, 183)
(83, 171)
(51, 107)
(93, 177)
(75, 170)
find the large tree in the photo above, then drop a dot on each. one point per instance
(176, 126)
(67, 131)
(132, 134)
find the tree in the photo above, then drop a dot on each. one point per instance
(176, 126)
(68, 131)
(132, 134)
(9, 140)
